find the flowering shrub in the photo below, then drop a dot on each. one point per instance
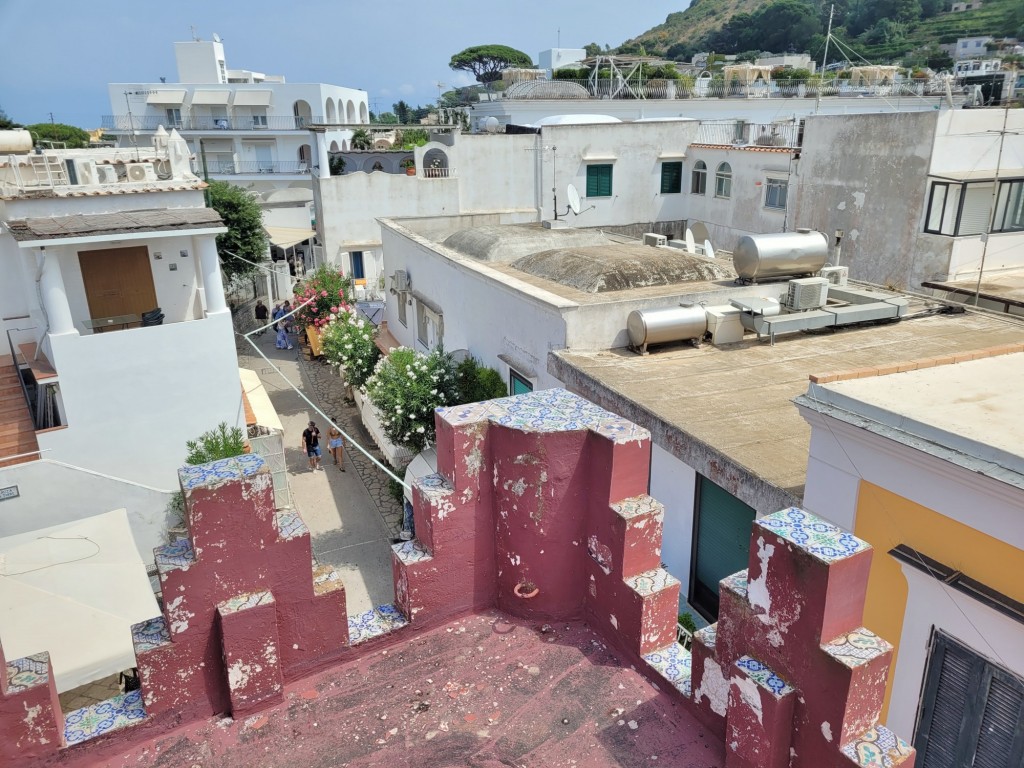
(406, 387)
(328, 289)
(347, 341)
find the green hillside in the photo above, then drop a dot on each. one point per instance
(879, 30)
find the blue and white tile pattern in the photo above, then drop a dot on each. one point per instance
(147, 635)
(177, 554)
(636, 506)
(410, 552)
(289, 524)
(763, 676)
(548, 410)
(877, 747)
(674, 664)
(89, 722)
(857, 647)
(222, 470)
(825, 541)
(374, 623)
(707, 636)
(28, 672)
(736, 583)
(244, 602)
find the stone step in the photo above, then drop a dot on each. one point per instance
(651, 582)
(878, 747)
(121, 711)
(673, 662)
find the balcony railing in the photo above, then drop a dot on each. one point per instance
(438, 173)
(690, 88)
(206, 123)
(239, 167)
(741, 133)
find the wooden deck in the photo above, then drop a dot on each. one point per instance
(17, 430)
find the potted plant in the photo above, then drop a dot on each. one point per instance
(410, 166)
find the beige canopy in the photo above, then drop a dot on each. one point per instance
(746, 73)
(874, 75)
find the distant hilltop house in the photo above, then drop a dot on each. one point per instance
(971, 6)
(971, 47)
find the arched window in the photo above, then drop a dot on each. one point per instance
(699, 178)
(723, 181)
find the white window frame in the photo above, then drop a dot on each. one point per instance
(781, 186)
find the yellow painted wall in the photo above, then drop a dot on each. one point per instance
(885, 520)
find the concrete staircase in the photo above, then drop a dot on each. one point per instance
(17, 431)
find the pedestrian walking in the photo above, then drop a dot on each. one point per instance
(311, 444)
(335, 447)
(275, 315)
(262, 314)
(286, 309)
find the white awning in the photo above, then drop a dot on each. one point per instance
(166, 97)
(74, 590)
(252, 98)
(210, 97)
(286, 237)
(259, 400)
(670, 155)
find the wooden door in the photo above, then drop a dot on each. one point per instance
(118, 281)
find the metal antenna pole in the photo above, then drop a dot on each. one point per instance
(995, 203)
(824, 57)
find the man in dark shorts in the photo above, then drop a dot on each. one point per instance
(311, 444)
(261, 315)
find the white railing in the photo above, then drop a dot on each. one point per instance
(438, 173)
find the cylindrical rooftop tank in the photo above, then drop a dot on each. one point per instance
(784, 254)
(656, 326)
(15, 141)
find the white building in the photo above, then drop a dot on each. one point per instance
(557, 58)
(972, 47)
(92, 243)
(241, 126)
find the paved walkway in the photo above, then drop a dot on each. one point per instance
(350, 515)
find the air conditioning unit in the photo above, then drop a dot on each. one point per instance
(106, 174)
(139, 172)
(401, 280)
(807, 293)
(82, 171)
(652, 238)
(835, 275)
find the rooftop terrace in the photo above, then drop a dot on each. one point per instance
(732, 405)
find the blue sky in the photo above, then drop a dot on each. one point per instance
(58, 56)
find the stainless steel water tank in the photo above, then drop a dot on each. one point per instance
(656, 326)
(784, 254)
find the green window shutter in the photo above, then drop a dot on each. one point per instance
(723, 542)
(599, 181)
(671, 177)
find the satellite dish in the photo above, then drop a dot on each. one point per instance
(708, 250)
(691, 244)
(574, 199)
(216, 37)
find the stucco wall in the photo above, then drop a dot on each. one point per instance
(133, 398)
(481, 314)
(867, 177)
(675, 485)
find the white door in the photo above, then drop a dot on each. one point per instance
(264, 158)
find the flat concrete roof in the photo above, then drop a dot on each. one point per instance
(1007, 288)
(728, 411)
(486, 690)
(970, 408)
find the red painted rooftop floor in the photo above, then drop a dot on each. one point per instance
(484, 691)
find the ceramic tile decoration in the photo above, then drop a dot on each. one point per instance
(216, 472)
(857, 647)
(243, 602)
(637, 506)
(89, 722)
(673, 663)
(707, 636)
(877, 748)
(289, 524)
(433, 486)
(547, 410)
(410, 552)
(147, 635)
(374, 623)
(827, 542)
(763, 676)
(28, 672)
(177, 554)
(650, 582)
(736, 583)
